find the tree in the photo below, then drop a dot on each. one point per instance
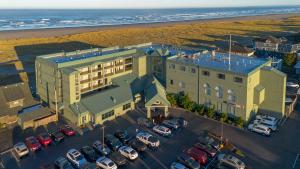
(289, 59)
(171, 98)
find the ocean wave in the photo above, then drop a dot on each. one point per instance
(74, 18)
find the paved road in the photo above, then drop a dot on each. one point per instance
(276, 152)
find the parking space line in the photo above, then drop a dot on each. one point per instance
(296, 159)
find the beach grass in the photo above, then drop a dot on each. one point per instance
(22, 52)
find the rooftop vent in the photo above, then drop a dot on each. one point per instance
(113, 99)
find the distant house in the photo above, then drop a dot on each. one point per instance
(237, 49)
(279, 45)
(14, 98)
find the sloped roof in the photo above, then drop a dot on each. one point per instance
(155, 91)
(34, 113)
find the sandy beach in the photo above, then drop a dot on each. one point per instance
(18, 49)
(55, 32)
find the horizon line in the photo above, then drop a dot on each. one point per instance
(246, 6)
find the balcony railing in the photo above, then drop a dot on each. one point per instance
(85, 81)
(107, 67)
(98, 85)
(97, 77)
(84, 73)
(119, 71)
(97, 69)
(119, 64)
(85, 89)
(109, 74)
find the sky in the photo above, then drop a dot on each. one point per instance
(21, 4)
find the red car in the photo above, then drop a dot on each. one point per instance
(197, 154)
(44, 139)
(32, 143)
(206, 148)
(67, 130)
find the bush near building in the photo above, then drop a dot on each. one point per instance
(289, 59)
(182, 100)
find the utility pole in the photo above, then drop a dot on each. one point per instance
(229, 59)
(103, 148)
(56, 107)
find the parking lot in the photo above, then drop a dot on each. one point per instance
(277, 151)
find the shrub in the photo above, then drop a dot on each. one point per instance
(224, 117)
(289, 59)
(172, 99)
(239, 122)
(210, 112)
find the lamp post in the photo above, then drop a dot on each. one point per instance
(103, 148)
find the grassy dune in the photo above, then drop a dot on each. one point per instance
(21, 52)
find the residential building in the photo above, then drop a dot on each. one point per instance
(237, 85)
(92, 86)
(237, 49)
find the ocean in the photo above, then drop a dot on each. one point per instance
(39, 19)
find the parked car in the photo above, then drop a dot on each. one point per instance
(188, 161)
(118, 158)
(62, 163)
(44, 139)
(137, 145)
(123, 136)
(292, 84)
(89, 153)
(56, 135)
(101, 148)
(261, 129)
(268, 119)
(211, 152)
(181, 121)
(231, 161)
(148, 139)
(162, 130)
(112, 142)
(266, 123)
(89, 166)
(144, 122)
(213, 142)
(76, 158)
(32, 143)
(176, 165)
(67, 130)
(128, 152)
(198, 155)
(106, 163)
(47, 166)
(21, 149)
(172, 124)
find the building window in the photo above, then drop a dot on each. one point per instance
(172, 66)
(108, 114)
(193, 70)
(231, 96)
(171, 82)
(238, 79)
(83, 119)
(127, 106)
(231, 109)
(207, 89)
(219, 92)
(182, 68)
(182, 85)
(205, 73)
(221, 76)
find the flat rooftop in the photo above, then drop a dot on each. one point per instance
(88, 54)
(236, 64)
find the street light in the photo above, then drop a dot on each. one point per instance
(103, 148)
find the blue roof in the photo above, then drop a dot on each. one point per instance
(64, 59)
(238, 64)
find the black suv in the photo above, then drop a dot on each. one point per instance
(112, 142)
(122, 136)
(56, 135)
(137, 145)
(89, 153)
(188, 161)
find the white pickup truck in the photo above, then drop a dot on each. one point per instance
(148, 139)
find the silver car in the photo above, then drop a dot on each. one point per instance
(21, 149)
(231, 161)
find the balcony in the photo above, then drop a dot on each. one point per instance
(107, 67)
(128, 61)
(85, 81)
(128, 67)
(84, 73)
(119, 71)
(98, 85)
(109, 74)
(119, 64)
(97, 69)
(85, 90)
(97, 77)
